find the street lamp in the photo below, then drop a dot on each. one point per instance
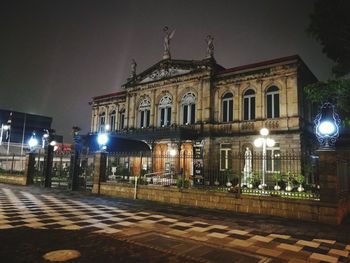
(102, 140)
(327, 126)
(6, 127)
(263, 142)
(33, 142)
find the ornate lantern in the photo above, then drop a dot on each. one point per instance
(327, 126)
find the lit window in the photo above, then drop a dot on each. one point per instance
(101, 122)
(144, 113)
(188, 105)
(165, 111)
(121, 119)
(249, 105)
(112, 120)
(227, 107)
(273, 158)
(273, 102)
(225, 156)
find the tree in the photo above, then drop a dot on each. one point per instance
(330, 25)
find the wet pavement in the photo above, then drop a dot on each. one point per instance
(36, 221)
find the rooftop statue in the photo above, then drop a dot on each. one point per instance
(210, 46)
(133, 68)
(167, 37)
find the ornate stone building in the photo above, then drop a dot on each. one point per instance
(198, 105)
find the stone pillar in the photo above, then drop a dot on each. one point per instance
(328, 176)
(100, 163)
(29, 169)
(48, 161)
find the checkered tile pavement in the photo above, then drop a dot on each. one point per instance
(20, 208)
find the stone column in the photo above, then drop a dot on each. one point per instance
(100, 163)
(29, 169)
(328, 176)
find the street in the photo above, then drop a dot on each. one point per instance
(87, 228)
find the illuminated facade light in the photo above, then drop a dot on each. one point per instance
(327, 126)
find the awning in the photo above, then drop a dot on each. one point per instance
(117, 144)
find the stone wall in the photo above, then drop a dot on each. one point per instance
(287, 208)
(13, 179)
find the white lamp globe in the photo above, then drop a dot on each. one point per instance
(53, 143)
(258, 143)
(326, 128)
(270, 142)
(32, 142)
(107, 127)
(102, 139)
(264, 132)
(172, 152)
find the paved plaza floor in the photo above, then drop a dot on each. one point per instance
(34, 222)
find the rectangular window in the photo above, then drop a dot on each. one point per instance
(162, 117)
(225, 157)
(269, 106)
(112, 124)
(252, 108)
(273, 159)
(142, 119)
(276, 106)
(224, 111)
(168, 120)
(230, 110)
(246, 109)
(121, 123)
(193, 113)
(148, 113)
(185, 113)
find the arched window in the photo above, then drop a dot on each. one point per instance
(249, 105)
(144, 113)
(101, 121)
(227, 107)
(272, 102)
(188, 106)
(112, 120)
(121, 119)
(165, 111)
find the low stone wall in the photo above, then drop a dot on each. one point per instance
(13, 179)
(307, 210)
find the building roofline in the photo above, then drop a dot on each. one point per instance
(261, 64)
(109, 95)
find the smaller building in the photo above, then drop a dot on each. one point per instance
(18, 127)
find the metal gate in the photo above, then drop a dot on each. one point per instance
(61, 172)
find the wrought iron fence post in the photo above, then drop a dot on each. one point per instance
(29, 168)
(48, 166)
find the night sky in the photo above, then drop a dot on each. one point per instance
(56, 55)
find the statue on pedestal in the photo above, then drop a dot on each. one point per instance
(133, 68)
(167, 37)
(210, 46)
(247, 171)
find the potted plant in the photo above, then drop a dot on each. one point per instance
(289, 179)
(277, 177)
(299, 178)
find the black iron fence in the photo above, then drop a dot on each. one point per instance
(12, 164)
(290, 174)
(61, 172)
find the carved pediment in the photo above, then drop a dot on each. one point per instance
(162, 73)
(171, 68)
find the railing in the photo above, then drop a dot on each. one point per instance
(12, 164)
(288, 175)
(343, 176)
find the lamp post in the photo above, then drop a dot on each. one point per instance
(48, 139)
(6, 127)
(102, 140)
(327, 126)
(33, 142)
(263, 142)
